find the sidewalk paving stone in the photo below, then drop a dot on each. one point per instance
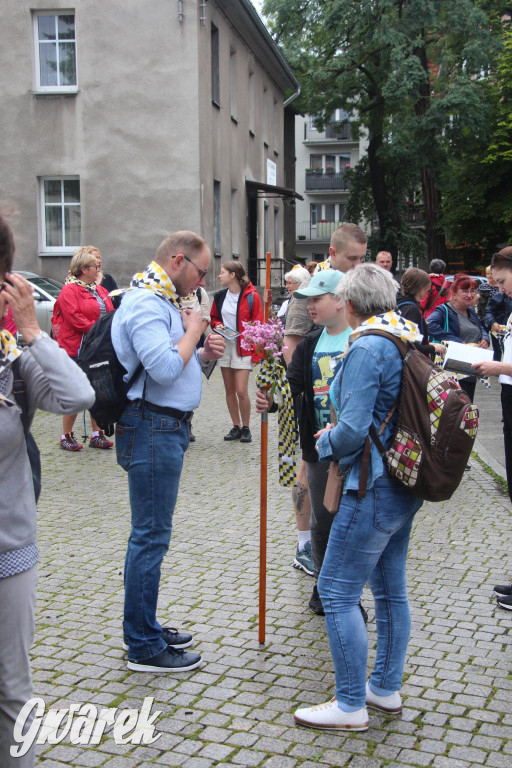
(237, 709)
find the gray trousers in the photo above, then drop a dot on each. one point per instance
(17, 606)
(321, 519)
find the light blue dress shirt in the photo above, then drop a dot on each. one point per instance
(146, 329)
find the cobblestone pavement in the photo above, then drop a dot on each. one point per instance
(237, 709)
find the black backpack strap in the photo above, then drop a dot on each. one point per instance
(19, 391)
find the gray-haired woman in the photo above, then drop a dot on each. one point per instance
(52, 382)
(369, 536)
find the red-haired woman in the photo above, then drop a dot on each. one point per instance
(457, 321)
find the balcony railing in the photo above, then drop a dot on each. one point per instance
(415, 214)
(333, 132)
(321, 231)
(324, 180)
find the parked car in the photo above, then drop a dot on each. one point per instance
(478, 278)
(46, 291)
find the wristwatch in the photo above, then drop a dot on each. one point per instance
(40, 335)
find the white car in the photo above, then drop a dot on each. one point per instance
(46, 291)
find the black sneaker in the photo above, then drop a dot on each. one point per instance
(503, 590)
(315, 603)
(234, 433)
(168, 660)
(246, 436)
(505, 602)
(173, 637)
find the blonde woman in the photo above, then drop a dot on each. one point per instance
(81, 302)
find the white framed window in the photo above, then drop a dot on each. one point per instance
(60, 214)
(55, 52)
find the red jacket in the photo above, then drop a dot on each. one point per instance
(247, 310)
(77, 310)
(434, 298)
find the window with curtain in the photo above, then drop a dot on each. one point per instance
(60, 214)
(55, 49)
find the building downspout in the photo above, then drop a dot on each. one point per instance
(292, 97)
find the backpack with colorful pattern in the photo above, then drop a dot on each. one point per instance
(435, 430)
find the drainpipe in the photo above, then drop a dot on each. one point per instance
(292, 97)
(180, 11)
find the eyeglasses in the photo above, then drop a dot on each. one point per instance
(202, 272)
(93, 266)
(471, 292)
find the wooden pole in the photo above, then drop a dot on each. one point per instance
(267, 297)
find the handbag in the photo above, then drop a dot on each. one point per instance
(334, 485)
(333, 488)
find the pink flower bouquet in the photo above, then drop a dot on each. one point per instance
(268, 338)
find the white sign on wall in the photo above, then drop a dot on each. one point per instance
(271, 172)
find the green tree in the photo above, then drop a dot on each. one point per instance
(406, 71)
(478, 188)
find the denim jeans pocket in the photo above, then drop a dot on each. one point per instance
(125, 439)
(166, 424)
(393, 507)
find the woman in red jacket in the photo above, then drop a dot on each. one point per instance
(81, 302)
(235, 303)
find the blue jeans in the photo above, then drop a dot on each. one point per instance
(151, 449)
(368, 543)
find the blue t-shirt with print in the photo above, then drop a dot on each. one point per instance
(324, 366)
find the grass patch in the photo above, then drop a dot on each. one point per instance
(500, 481)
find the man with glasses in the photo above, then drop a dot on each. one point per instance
(155, 340)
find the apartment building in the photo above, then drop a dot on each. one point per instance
(124, 121)
(323, 158)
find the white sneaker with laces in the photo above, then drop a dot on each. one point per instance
(391, 705)
(329, 715)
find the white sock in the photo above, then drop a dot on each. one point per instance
(95, 434)
(304, 537)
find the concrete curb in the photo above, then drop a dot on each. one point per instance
(487, 458)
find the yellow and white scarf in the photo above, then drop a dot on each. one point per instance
(392, 323)
(156, 279)
(9, 350)
(91, 287)
(271, 375)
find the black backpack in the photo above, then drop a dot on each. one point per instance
(435, 429)
(19, 391)
(98, 360)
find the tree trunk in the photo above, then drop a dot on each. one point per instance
(436, 245)
(388, 216)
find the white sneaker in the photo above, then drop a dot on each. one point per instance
(391, 705)
(329, 715)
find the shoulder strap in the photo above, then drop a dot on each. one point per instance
(404, 348)
(19, 391)
(446, 322)
(250, 301)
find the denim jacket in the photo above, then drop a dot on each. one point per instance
(364, 391)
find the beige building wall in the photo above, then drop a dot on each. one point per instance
(140, 130)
